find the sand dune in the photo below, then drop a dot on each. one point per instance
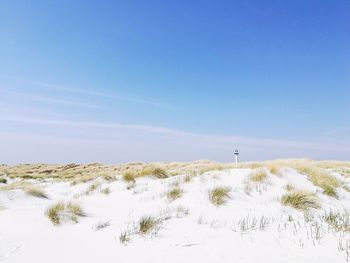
(281, 211)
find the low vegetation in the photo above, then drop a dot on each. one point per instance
(147, 224)
(302, 200)
(289, 187)
(187, 178)
(92, 188)
(64, 212)
(82, 179)
(157, 172)
(181, 211)
(219, 195)
(258, 176)
(129, 177)
(174, 193)
(344, 172)
(36, 191)
(105, 191)
(3, 180)
(339, 221)
(108, 177)
(82, 173)
(101, 225)
(16, 185)
(125, 237)
(274, 169)
(321, 178)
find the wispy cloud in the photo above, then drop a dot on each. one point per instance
(73, 103)
(99, 94)
(205, 138)
(90, 124)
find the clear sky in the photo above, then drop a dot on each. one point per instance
(155, 80)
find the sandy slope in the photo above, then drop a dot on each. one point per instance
(251, 227)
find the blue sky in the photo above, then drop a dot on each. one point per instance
(117, 81)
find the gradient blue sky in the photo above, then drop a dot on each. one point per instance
(117, 81)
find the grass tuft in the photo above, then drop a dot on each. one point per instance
(54, 211)
(157, 172)
(108, 177)
(218, 196)
(301, 200)
(174, 193)
(147, 223)
(275, 170)
(258, 176)
(64, 211)
(187, 178)
(3, 180)
(125, 237)
(101, 225)
(35, 191)
(129, 177)
(289, 187)
(93, 187)
(105, 191)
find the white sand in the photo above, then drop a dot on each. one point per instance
(206, 234)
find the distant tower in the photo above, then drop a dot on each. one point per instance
(236, 156)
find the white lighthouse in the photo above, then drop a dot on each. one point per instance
(236, 156)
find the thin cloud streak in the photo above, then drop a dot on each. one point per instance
(99, 94)
(52, 100)
(215, 139)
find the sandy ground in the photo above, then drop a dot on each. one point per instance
(249, 227)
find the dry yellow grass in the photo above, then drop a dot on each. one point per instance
(147, 224)
(258, 176)
(69, 211)
(82, 173)
(274, 169)
(302, 200)
(219, 195)
(321, 178)
(155, 171)
(53, 212)
(16, 185)
(174, 193)
(129, 177)
(36, 191)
